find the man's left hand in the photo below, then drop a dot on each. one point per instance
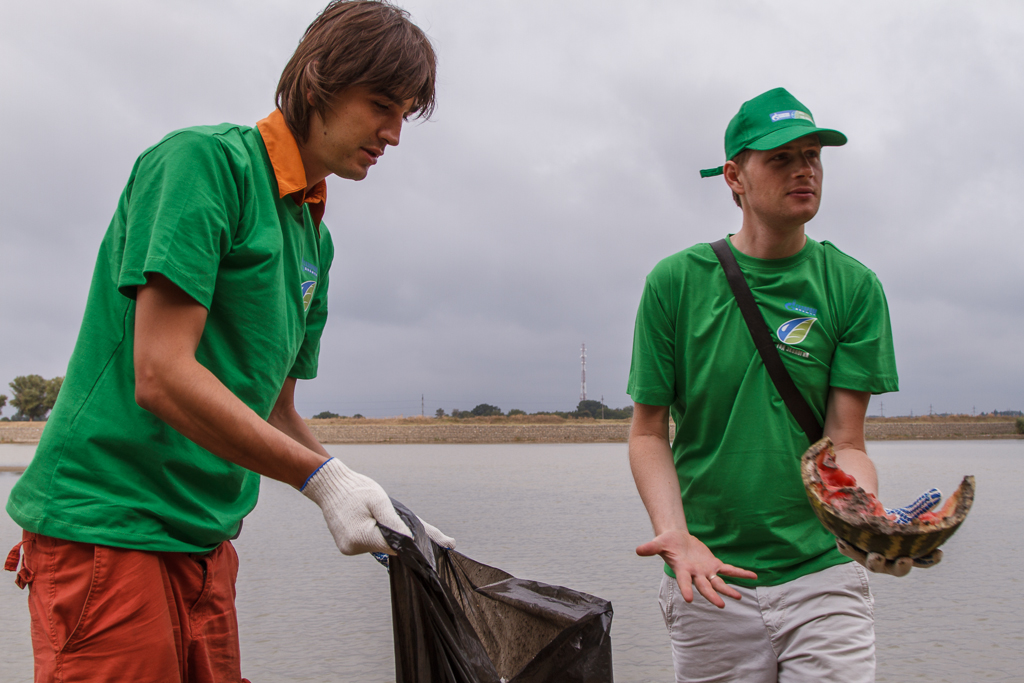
(901, 566)
(874, 562)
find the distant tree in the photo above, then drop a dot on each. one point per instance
(619, 413)
(589, 409)
(3, 402)
(357, 416)
(31, 395)
(439, 413)
(598, 410)
(52, 390)
(516, 411)
(485, 410)
(1020, 425)
(325, 415)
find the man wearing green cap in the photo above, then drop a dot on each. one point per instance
(803, 610)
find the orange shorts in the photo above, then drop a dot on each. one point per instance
(113, 614)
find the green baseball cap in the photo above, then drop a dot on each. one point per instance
(771, 120)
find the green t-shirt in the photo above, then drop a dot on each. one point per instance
(737, 447)
(201, 208)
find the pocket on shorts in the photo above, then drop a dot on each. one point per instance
(65, 574)
(863, 586)
(78, 628)
(666, 599)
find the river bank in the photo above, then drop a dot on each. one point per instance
(531, 429)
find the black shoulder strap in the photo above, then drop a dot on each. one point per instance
(794, 400)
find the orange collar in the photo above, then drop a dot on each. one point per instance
(287, 162)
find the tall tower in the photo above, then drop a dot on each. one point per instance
(583, 372)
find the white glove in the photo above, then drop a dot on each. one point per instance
(353, 505)
(901, 566)
(924, 503)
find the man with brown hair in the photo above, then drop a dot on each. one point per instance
(207, 303)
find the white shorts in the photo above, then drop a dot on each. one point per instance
(820, 627)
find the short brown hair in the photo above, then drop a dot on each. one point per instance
(357, 42)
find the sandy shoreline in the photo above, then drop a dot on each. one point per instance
(422, 431)
(428, 431)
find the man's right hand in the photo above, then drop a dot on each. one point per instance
(695, 565)
(353, 505)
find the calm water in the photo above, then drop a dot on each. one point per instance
(569, 515)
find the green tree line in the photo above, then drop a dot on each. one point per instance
(33, 397)
(592, 409)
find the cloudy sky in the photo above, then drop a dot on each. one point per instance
(560, 166)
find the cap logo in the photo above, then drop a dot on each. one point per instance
(791, 114)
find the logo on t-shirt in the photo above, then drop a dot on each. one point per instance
(307, 293)
(309, 286)
(799, 308)
(794, 331)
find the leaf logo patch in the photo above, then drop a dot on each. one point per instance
(794, 331)
(308, 288)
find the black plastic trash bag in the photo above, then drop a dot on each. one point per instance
(459, 621)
